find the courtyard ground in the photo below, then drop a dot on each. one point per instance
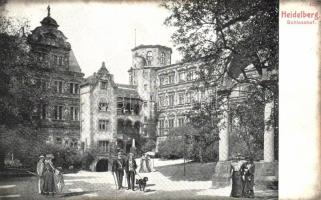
(168, 182)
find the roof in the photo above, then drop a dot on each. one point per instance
(73, 63)
(126, 92)
(48, 21)
(151, 46)
(126, 86)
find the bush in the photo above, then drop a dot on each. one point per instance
(86, 160)
(149, 145)
(171, 148)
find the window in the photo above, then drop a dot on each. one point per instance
(74, 88)
(161, 100)
(149, 58)
(181, 76)
(162, 58)
(55, 59)
(145, 74)
(103, 145)
(161, 80)
(171, 78)
(145, 87)
(103, 106)
(189, 76)
(161, 127)
(188, 97)
(180, 122)
(202, 95)
(103, 125)
(58, 112)
(171, 123)
(74, 113)
(171, 99)
(145, 119)
(42, 84)
(181, 98)
(74, 143)
(58, 140)
(43, 111)
(58, 87)
(60, 61)
(103, 85)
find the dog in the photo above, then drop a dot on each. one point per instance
(142, 183)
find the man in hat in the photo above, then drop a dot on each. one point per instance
(118, 169)
(130, 168)
(40, 168)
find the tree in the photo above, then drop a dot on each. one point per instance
(235, 44)
(226, 33)
(20, 94)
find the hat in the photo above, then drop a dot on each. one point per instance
(41, 156)
(49, 156)
(119, 153)
(131, 154)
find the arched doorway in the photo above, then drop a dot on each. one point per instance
(102, 165)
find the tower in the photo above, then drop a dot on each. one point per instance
(146, 59)
(60, 81)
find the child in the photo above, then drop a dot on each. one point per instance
(59, 180)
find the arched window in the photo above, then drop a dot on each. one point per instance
(149, 57)
(162, 58)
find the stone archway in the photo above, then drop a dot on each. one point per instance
(102, 165)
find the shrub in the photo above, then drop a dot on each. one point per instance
(87, 158)
(171, 148)
(149, 145)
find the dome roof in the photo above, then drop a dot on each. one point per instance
(48, 21)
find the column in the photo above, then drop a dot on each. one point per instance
(268, 133)
(224, 131)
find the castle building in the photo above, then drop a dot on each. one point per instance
(60, 80)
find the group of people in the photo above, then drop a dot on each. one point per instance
(121, 165)
(127, 166)
(242, 174)
(50, 179)
(145, 164)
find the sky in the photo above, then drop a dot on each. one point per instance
(102, 31)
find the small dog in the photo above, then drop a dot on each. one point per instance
(142, 183)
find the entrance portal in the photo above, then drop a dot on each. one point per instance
(102, 165)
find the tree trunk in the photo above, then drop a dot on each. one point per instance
(200, 153)
(2, 158)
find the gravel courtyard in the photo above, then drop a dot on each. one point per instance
(101, 185)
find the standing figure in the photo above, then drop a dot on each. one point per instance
(248, 174)
(49, 186)
(130, 168)
(40, 169)
(236, 175)
(148, 163)
(143, 165)
(118, 169)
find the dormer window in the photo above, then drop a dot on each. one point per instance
(162, 58)
(103, 85)
(149, 57)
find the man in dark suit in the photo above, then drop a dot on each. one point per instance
(118, 169)
(130, 168)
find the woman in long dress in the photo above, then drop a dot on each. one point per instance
(248, 174)
(148, 164)
(143, 165)
(236, 175)
(49, 186)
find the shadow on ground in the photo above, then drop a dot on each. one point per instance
(193, 171)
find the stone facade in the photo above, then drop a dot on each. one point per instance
(108, 112)
(60, 80)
